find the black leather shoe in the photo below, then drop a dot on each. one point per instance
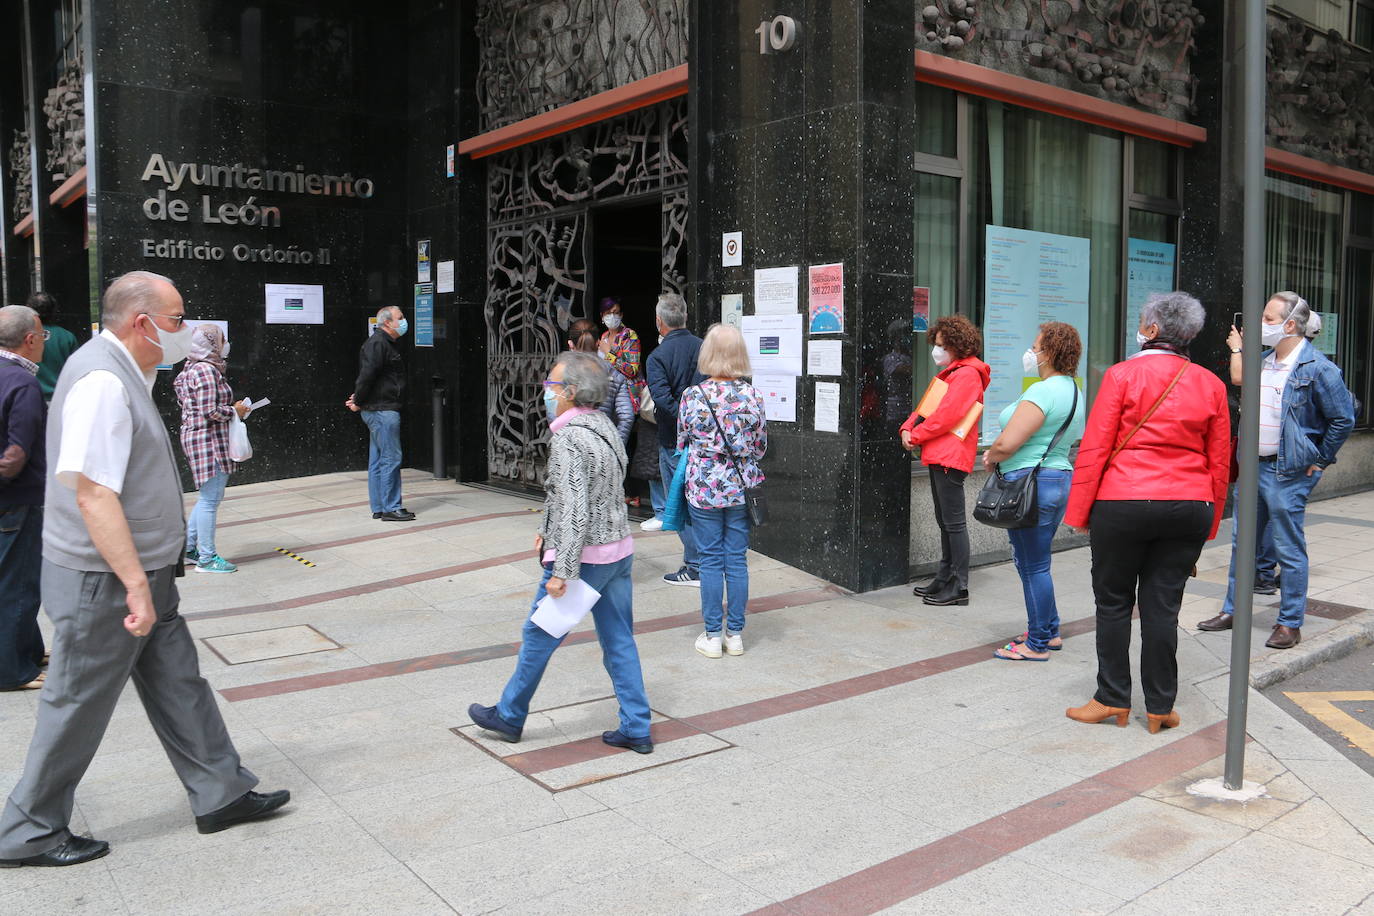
(249, 807)
(1284, 637)
(74, 851)
(930, 588)
(947, 598)
(618, 738)
(1263, 587)
(486, 717)
(1214, 624)
(398, 515)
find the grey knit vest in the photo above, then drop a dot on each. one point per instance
(152, 490)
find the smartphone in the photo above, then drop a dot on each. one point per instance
(1236, 320)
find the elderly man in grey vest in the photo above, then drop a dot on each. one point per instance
(112, 542)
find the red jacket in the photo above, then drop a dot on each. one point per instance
(1182, 452)
(967, 379)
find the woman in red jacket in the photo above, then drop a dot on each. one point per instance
(1150, 483)
(949, 457)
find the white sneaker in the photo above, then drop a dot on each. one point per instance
(652, 524)
(708, 645)
(734, 643)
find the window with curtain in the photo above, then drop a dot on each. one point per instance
(1302, 239)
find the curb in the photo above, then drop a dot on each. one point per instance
(1338, 642)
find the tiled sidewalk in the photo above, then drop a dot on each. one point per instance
(866, 754)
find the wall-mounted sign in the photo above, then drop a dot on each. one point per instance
(732, 249)
(920, 309)
(1149, 269)
(775, 290)
(422, 261)
(424, 314)
(449, 167)
(777, 35)
(445, 277)
(825, 299)
(291, 303)
(732, 309)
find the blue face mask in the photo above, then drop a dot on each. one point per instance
(401, 327)
(551, 405)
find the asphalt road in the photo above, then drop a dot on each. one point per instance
(1335, 701)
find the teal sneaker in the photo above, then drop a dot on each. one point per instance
(192, 555)
(216, 564)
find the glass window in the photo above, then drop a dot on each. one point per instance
(1303, 239)
(1154, 168)
(937, 121)
(1362, 31)
(936, 263)
(1362, 215)
(1354, 329)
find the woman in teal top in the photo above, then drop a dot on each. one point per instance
(1028, 428)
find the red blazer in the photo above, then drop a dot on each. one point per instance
(1182, 452)
(967, 379)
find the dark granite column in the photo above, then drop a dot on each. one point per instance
(14, 261)
(809, 154)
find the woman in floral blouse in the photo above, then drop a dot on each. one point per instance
(623, 342)
(716, 482)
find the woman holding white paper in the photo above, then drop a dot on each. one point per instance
(585, 536)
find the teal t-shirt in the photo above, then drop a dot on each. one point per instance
(61, 344)
(1054, 396)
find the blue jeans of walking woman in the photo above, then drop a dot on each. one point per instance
(200, 525)
(722, 540)
(614, 619)
(21, 559)
(1030, 547)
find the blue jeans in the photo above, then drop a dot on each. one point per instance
(1266, 556)
(667, 467)
(614, 618)
(657, 499)
(21, 560)
(200, 525)
(383, 459)
(1282, 508)
(722, 536)
(1030, 547)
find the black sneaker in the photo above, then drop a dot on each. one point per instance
(683, 576)
(1266, 587)
(618, 738)
(486, 717)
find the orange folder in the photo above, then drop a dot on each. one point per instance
(935, 393)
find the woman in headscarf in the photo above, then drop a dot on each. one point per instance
(207, 405)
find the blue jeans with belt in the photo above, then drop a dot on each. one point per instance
(614, 618)
(1030, 547)
(1282, 507)
(21, 559)
(383, 459)
(200, 524)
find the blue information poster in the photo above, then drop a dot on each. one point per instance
(1149, 269)
(1029, 278)
(424, 314)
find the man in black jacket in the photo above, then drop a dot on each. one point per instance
(671, 370)
(377, 395)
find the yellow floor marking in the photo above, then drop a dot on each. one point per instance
(1321, 706)
(299, 559)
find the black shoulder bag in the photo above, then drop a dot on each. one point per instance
(754, 500)
(1004, 503)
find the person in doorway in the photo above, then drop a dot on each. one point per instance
(617, 406)
(948, 455)
(644, 465)
(1306, 414)
(23, 463)
(378, 395)
(622, 343)
(112, 542)
(672, 369)
(722, 435)
(207, 406)
(1148, 487)
(59, 342)
(1029, 429)
(585, 535)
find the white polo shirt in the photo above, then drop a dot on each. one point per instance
(1273, 379)
(97, 427)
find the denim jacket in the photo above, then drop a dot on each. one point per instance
(1318, 413)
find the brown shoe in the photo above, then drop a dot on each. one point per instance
(1213, 624)
(1093, 712)
(1284, 637)
(1168, 720)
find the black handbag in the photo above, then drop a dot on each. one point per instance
(1004, 503)
(754, 499)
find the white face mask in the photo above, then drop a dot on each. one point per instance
(224, 353)
(1030, 362)
(1141, 340)
(176, 345)
(612, 321)
(1271, 334)
(940, 355)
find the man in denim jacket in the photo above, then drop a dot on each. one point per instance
(1306, 413)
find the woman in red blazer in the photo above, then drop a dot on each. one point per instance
(1150, 484)
(947, 457)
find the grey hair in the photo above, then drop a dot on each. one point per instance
(1178, 315)
(131, 294)
(16, 323)
(672, 311)
(384, 313)
(586, 375)
(1296, 309)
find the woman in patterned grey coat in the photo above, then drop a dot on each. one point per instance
(585, 535)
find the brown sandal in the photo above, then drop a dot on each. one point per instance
(35, 684)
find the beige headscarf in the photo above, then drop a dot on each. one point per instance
(207, 346)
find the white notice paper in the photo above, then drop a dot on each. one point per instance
(775, 290)
(824, 358)
(774, 342)
(556, 616)
(827, 407)
(732, 308)
(288, 303)
(779, 393)
(732, 249)
(445, 277)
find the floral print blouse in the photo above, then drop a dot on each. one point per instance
(624, 351)
(712, 482)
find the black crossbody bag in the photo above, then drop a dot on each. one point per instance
(1004, 503)
(754, 500)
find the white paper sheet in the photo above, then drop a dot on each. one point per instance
(732, 249)
(775, 290)
(290, 303)
(779, 393)
(556, 616)
(824, 357)
(774, 342)
(828, 407)
(445, 277)
(731, 308)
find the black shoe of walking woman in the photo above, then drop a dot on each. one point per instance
(947, 597)
(933, 587)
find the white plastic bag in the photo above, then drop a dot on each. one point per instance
(240, 449)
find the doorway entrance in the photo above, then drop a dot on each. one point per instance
(626, 263)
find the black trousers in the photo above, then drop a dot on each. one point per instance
(1143, 552)
(947, 492)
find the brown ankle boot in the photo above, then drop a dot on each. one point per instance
(1093, 712)
(1168, 720)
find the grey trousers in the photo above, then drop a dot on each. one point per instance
(93, 657)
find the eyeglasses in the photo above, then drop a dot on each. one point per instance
(47, 334)
(179, 319)
(548, 383)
